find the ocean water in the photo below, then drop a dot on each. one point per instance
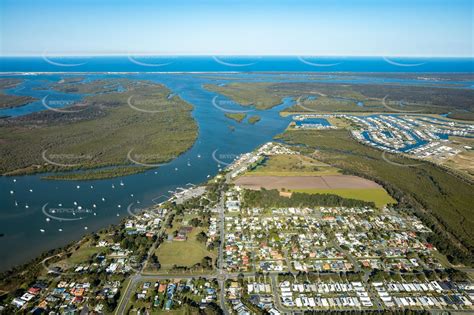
(25, 199)
(132, 63)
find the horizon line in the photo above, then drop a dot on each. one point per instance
(232, 55)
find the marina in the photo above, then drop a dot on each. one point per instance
(421, 136)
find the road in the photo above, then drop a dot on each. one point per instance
(276, 297)
(221, 275)
(138, 275)
(220, 262)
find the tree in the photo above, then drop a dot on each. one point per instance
(155, 262)
(206, 262)
(195, 222)
(202, 237)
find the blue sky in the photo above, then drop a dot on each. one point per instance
(226, 27)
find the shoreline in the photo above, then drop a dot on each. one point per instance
(60, 249)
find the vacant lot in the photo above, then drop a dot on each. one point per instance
(81, 255)
(301, 173)
(305, 182)
(292, 165)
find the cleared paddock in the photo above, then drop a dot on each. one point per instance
(305, 182)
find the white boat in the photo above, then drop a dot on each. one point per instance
(42, 231)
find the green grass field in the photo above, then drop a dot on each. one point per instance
(292, 165)
(377, 195)
(186, 253)
(82, 255)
